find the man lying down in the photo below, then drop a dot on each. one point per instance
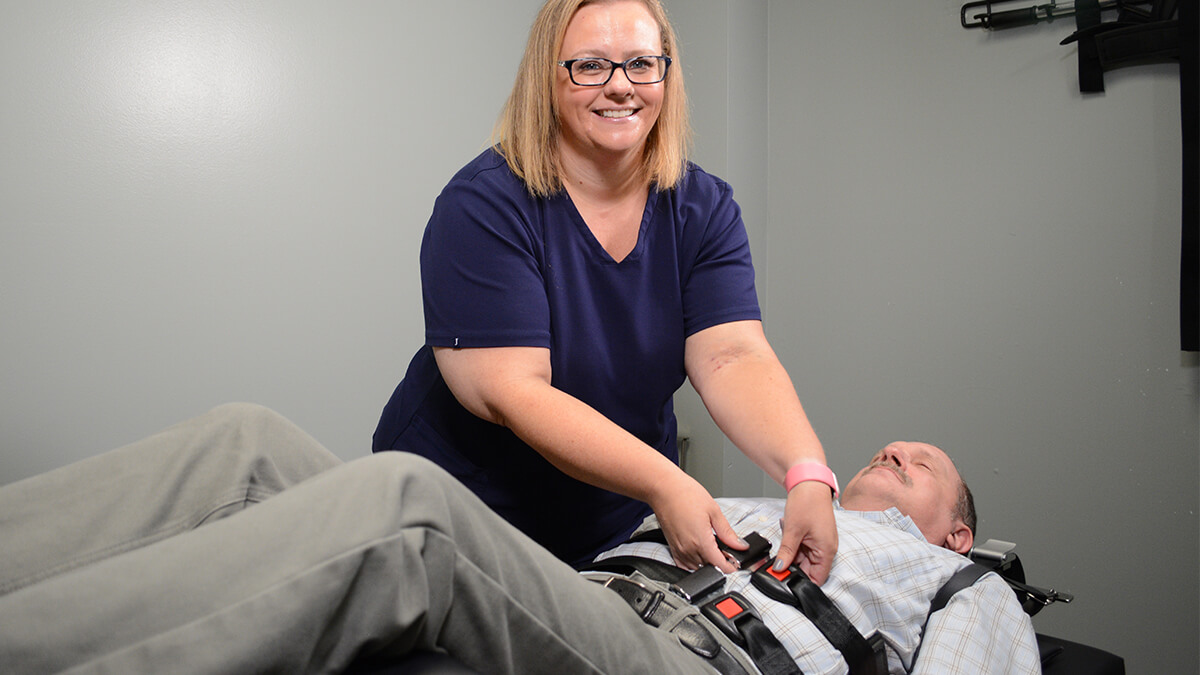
(145, 559)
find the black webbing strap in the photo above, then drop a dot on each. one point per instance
(1132, 39)
(660, 609)
(792, 586)
(765, 650)
(1091, 72)
(960, 580)
(734, 616)
(1138, 43)
(1167, 33)
(1189, 96)
(729, 612)
(758, 548)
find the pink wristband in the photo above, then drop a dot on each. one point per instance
(810, 471)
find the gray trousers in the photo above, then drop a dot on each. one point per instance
(104, 566)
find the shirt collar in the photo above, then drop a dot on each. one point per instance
(891, 517)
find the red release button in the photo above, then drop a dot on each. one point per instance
(781, 575)
(729, 608)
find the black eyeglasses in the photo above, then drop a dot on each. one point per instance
(596, 72)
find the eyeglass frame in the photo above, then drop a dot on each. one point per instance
(613, 65)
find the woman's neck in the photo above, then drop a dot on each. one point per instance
(603, 178)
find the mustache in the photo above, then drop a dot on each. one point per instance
(891, 467)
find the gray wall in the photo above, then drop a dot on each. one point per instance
(204, 202)
(207, 201)
(955, 245)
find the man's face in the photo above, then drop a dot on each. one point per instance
(916, 478)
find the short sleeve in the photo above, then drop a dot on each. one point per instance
(718, 285)
(481, 278)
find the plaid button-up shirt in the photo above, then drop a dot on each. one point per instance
(883, 579)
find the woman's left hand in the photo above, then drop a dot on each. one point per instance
(810, 536)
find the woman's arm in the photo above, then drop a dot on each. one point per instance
(752, 400)
(510, 386)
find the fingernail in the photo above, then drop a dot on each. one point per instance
(778, 566)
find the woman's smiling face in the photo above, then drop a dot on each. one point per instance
(616, 118)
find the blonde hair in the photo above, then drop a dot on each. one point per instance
(527, 132)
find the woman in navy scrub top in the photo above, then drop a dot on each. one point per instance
(573, 275)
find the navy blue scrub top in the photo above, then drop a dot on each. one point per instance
(500, 268)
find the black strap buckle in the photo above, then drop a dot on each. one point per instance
(864, 656)
(774, 584)
(759, 548)
(727, 611)
(697, 585)
(733, 615)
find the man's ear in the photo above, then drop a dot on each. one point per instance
(960, 539)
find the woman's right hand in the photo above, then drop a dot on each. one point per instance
(689, 518)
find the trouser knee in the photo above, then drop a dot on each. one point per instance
(261, 436)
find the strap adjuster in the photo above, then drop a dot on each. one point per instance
(640, 598)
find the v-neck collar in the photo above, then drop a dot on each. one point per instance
(598, 250)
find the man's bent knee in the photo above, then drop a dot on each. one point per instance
(247, 414)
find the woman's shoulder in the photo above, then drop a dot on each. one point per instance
(488, 168)
(701, 197)
(700, 184)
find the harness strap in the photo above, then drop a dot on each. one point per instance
(669, 612)
(961, 579)
(864, 656)
(758, 549)
(735, 617)
(958, 581)
(730, 613)
(713, 631)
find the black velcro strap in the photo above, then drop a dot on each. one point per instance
(1138, 43)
